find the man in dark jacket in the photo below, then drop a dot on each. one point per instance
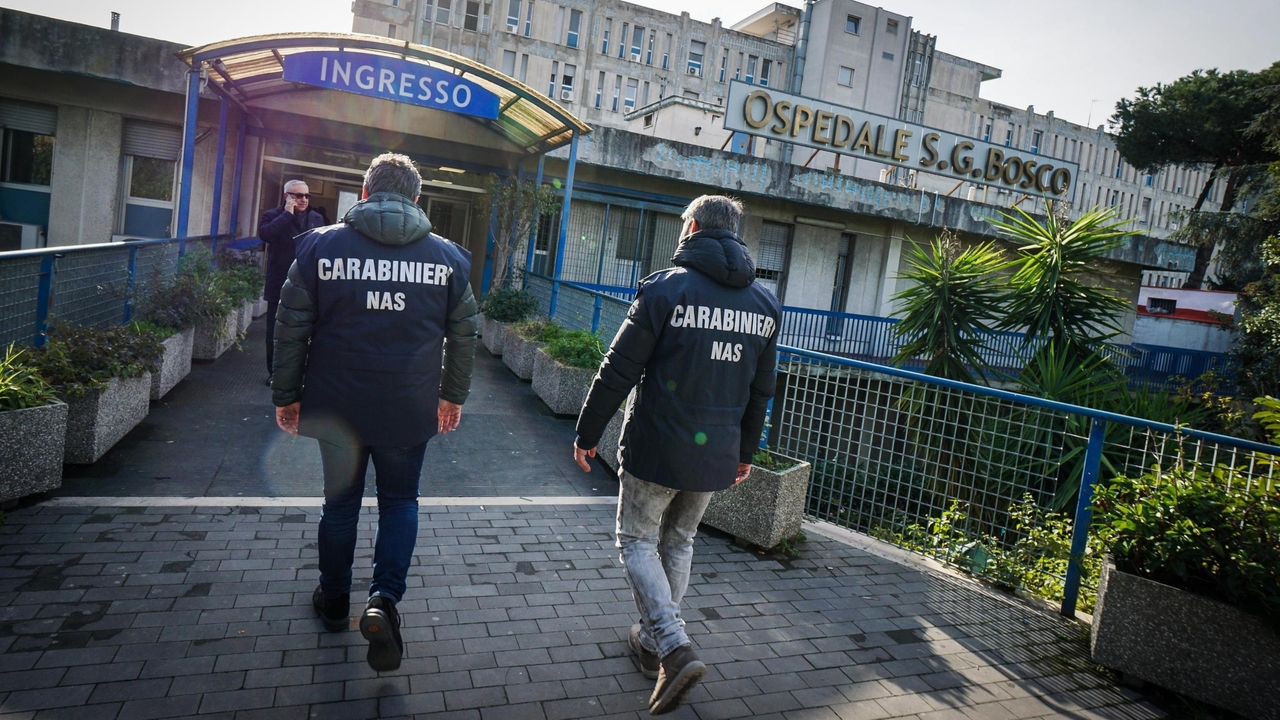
(371, 310)
(700, 341)
(277, 228)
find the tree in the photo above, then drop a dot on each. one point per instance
(1197, 120)
(518, 202)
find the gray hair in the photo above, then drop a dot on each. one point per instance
(714, 212)
(292, 183)
(393, 173)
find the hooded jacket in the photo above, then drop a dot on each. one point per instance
(699, 345)
(370, 312)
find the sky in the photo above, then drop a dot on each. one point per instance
(1076, 58)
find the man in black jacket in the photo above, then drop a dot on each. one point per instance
(371, 310)
(700, 341)
(278, 228)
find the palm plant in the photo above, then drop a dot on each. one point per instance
(950, 306)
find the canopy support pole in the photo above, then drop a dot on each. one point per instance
(235, 179)
(537, 223)
(219, 165)
(564, 222)
(188, 154)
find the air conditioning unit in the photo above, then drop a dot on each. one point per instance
(566, 94)
(635, 57)
(513, 28)
(696, 72)
(20, 236)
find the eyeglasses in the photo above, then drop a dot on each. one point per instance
(300, 196)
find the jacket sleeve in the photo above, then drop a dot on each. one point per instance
(295, 320)
(459, 349)
(275, 229)
(621, 370)
(762, 389)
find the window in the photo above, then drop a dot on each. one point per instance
(566, 80)
(151, 179)
(917, 71)
(471, 20)
(648, 120)
(843, 276)
(648, 53)
(1162, 306)
(622, 41)
(524, 68)
(644, 95)
(697, 49)
(513, 16)
(891, 26)
(845, 77)
(771, 258)
(528, 20)
(986, 133)
(666, 53)
(637, 40)
(391, 31)
(752, 60)
(600, 89)
(575, 26)
(555, 73)
(27, 157)
(617, 91)
(691, 94)
(1008, 137)
(737, 72)
(442, 11)
(629, 102)
(150, 152)
(608, 28)
(1146, 180)
(853, 24)
(724, 63)
(1036, 138)
(886, 55)
(765, 66)
(509, 63)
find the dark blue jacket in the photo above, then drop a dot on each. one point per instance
(370, 312)
(278, 229)
(700, 340)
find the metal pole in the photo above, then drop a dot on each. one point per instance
(188, 155)
(564, 222)
(604, 240)
(44, 298)
(215, 221)
(490, 247)
(133, 283)
(595, 314)
(1084, 515)
(235, 179)
(537, 221)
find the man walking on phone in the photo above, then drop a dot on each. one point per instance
(700, 341)
(278, 228)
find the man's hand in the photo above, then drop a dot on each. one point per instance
(580, 456)
(744, 469)
(290, 204)
(287, 418)
(448, 416)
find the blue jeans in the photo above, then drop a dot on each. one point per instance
(397, 487)
(656, 526)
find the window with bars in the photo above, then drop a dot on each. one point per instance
(772, 257)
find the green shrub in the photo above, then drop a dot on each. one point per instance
(171, 304)
(508, 305)
(240, 278)
(211, 297)
(20, 386)
(576, 348)
(160, 332)
(538, 330)
(77, 359)
(773, 463)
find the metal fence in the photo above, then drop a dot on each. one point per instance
(575, 306)
(83, 284)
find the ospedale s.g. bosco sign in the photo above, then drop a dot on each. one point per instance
(825, 126)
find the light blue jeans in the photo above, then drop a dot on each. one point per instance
(656, 526)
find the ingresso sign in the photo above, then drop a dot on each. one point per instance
(824, 126)
(391, 78)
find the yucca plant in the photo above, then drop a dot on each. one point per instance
(20, 386)
(952, 303)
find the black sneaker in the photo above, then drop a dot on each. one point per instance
(648, 661)
(380, 625)
(334, 612)
(678, 672)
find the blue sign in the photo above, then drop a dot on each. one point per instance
(391, 78)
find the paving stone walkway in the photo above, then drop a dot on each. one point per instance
(512, 612)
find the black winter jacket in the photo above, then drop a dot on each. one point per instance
(700, 341)
(278, 229)
(370, 312)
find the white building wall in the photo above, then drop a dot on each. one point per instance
(1185, 334)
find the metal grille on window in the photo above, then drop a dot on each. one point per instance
(771, 258)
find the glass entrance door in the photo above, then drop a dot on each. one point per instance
(449, 218)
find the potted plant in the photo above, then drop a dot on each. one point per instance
(104, 376)
(33, 429)
(563, 370)
(240, 278)
(768, 506)
(166, 310)
(1189, 597)
(521, 342)
(499, 310)
(213, 307)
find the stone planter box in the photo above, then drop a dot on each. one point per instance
(32, 442)
(561, 387)
(493, 334)
(1186, 643)
(764, 509)
(243, 318)
(175, 364)
(212, 339)
(100, 418)
(518, 354)
(607, 449)
(259, 308)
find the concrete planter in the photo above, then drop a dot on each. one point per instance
(493, 334)
(98, 420)
(259, 308)
(764, 509)
(607, 448)
(561, 387)
(175, 364)
(1186, 643)
(244, 317)
(518, 354)
(213, 338)
(32, 442)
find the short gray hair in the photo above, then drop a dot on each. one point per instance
(714, 212)
(292, 183)
(393, 173)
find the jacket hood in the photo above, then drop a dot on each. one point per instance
(389, 218)
(719, 255)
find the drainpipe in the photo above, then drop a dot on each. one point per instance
(797, 66)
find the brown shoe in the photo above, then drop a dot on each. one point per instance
(679, 671)
(648, 661)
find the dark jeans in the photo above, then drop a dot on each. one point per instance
(271, 334)
(397, 487)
